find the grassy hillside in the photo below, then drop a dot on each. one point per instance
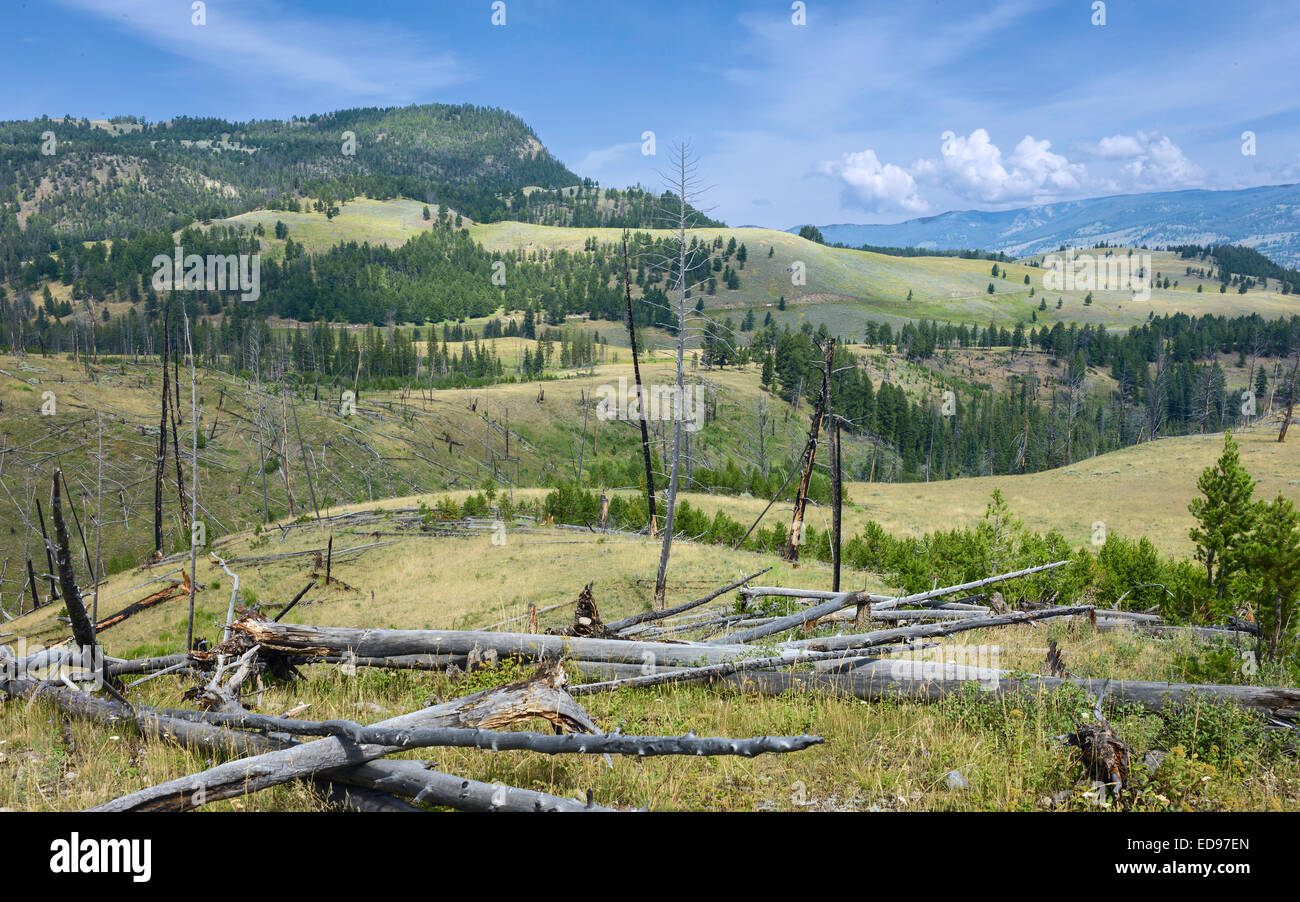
(879, 756)
(396, 444)
(843, 287)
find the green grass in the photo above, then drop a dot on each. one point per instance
(843, 287)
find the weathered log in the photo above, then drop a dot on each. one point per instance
(144, 665)
(919, 597)
(396, 662)
(927, 614)
(793, 621)
(930, 630)
(1165, 629)
(541, 696)
(880, 682)
(697, 674)
(301, 639)
(175, 590)
(152, 724)
(431, 787)
(620, 625)
(496, 741)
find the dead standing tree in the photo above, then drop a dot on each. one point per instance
(82, 628)
(684, 182)
(810, 452)
(1290, 398)
(161, 458)
(640, 394)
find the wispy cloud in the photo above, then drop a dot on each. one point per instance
(598, 161)
(352, 59)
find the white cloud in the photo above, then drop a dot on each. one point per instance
(874, 186)
(1163, 165)
(1155, 162)
(973, 167)
(1118, 147)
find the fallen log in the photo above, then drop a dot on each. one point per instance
(927, 614)
(620, 625)
(431, 787)
(493, 740)
(1166, 629)
(396, 662)
(886, 604)
(175, 590)
(541, 696)
(117, 667)
(697, 674)
(793, 621)
(207, 737)
(315, 641)
(930, 630)
(880, 682)
(877, 602)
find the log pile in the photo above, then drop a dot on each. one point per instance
(350, 762)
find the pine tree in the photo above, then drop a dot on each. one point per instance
(1225, 516)
(1272, 557)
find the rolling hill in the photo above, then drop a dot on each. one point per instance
(842, 287)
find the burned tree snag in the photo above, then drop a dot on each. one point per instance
(1055, 662)
(176, 452)
(36, 589)
(837, 498)
(82, 629)
(586, 619)
(640, 397)
(49, 555)
(161, 457)
(1290, 400)
(810, 453)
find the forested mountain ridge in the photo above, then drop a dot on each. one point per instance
(68, 180)
(1265, 218)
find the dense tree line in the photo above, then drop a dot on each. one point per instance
(1237, 262)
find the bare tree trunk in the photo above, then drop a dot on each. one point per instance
(836, 499)
(161, 458)
(49, 555)
(1290, 400)
(684, 188)
(640, 396)
(194, 477)
(99, 516)
(810, 454)
(306, 465)
(82, 628)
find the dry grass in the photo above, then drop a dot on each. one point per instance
(875, 756)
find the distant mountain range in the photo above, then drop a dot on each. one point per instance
(1267, 219)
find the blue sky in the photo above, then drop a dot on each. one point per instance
(870, 112)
